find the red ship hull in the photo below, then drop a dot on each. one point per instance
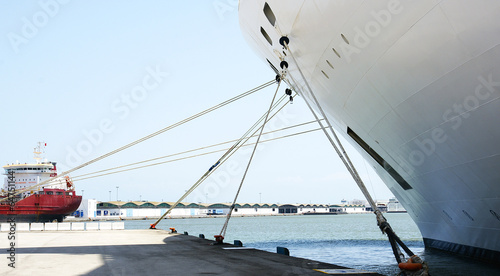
(52, 204)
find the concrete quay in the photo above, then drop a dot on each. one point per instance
(146, 252)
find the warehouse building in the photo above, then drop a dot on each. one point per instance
(92, 209)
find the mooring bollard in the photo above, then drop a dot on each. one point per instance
(238, 243)
(282, 250)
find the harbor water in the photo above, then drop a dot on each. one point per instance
(352, 240)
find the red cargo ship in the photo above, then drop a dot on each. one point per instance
(52, 202)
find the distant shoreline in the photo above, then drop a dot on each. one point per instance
(72, 219)
(169, 217)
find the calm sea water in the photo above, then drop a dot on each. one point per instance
(348, 240)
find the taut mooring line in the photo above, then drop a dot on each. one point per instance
(381, 220)
(46, 182)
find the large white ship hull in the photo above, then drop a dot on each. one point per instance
(415, 87)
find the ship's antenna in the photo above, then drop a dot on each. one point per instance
(38, 151)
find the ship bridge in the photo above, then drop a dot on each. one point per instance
(26, 175)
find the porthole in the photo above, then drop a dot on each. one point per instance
(344, 38)
(329, 64)
(269, 14)
(335, 51)
(266, 36)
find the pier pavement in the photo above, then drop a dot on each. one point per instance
(147, 252)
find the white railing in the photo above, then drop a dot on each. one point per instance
(64, 226)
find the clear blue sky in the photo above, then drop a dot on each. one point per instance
(87, 77)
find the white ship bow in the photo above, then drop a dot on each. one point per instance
(415, 87)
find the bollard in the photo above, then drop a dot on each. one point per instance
(238, 243)
(282, 250)
(201, 236)
(219, 239)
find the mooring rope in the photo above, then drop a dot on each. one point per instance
(224, 228)
(381, 220)
(220, 161)
(107, 171)
(249, 92)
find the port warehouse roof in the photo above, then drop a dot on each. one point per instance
(153, 204)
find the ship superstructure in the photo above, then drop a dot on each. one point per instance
(30, 174)
(47, 203)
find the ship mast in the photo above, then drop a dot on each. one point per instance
(38, 151)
